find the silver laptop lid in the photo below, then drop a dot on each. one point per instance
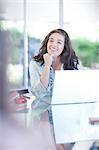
(75, 86)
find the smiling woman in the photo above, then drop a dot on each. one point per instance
(55, 53)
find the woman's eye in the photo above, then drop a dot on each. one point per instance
(51, 41)
(59, 43)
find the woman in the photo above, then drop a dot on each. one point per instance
(56, 53)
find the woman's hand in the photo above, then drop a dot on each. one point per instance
(45, 74)
(48, 59)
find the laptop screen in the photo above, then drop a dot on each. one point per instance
(75, 86)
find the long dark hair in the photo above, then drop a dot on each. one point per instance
(67, 57)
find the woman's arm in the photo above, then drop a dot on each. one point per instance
(45, 74)
(39, 77)
(37, 88)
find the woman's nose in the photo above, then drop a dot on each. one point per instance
(54, 44)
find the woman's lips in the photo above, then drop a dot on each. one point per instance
(53, 50)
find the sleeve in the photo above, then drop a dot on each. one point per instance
(37, 87)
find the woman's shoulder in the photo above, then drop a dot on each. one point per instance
(81, 67)
(35, 64)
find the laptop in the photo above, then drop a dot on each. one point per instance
(75, 101)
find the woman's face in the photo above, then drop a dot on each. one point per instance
(55, 44)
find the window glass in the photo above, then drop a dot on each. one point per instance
(15, 53)
(81, 22)
(44, 18)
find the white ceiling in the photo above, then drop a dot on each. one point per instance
(81, 10)
(48, 10)
(14, 9)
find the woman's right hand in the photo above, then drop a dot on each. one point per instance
(45, 74)
(48, 59)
